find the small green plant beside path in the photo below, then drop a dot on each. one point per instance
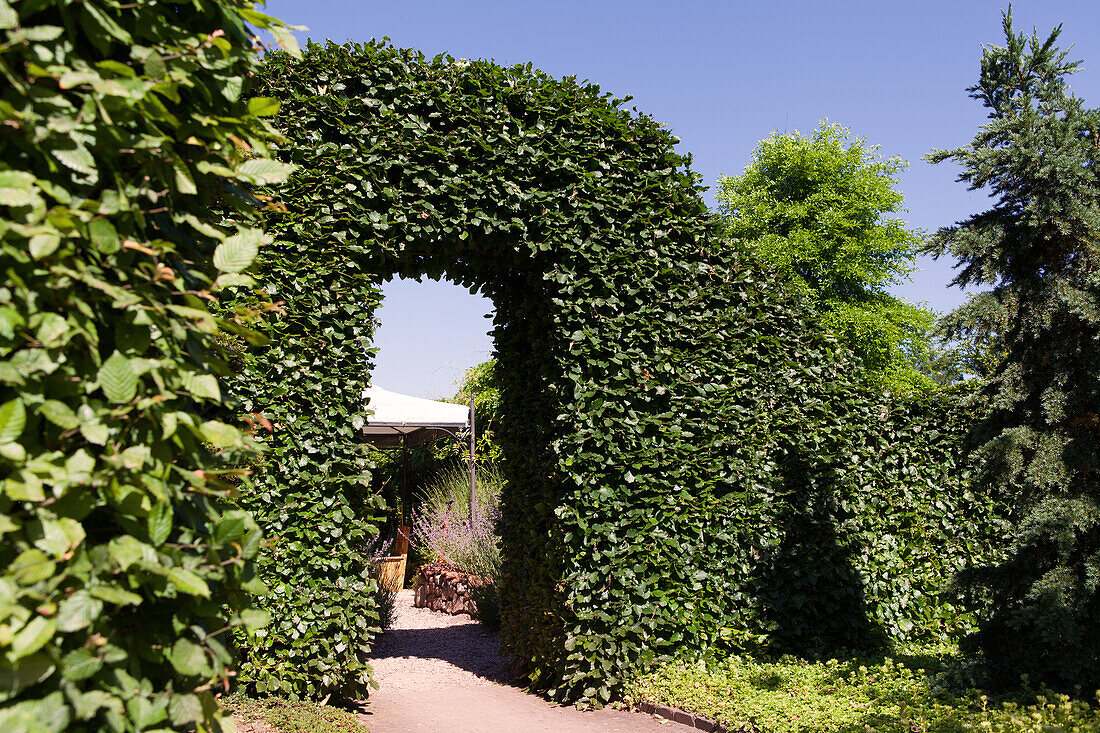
(891, 695)
(287, 716)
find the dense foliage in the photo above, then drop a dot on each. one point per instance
(679, 440)
(815, 209)
(869, 525)
(312, 491)
(123, 125)
(482, 383)
(1038, 249)
(890, 695)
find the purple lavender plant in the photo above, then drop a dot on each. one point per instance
(442, 530)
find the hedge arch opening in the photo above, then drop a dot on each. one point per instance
(585, 228)
(661, 401)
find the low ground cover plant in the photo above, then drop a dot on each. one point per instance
(901, 693)
(290, 716)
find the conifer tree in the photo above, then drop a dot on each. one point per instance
(1038, 251)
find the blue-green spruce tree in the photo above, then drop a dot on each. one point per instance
(1037, 250)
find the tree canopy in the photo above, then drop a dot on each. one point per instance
(816, 209)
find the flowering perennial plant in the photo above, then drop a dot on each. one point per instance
(443, 532)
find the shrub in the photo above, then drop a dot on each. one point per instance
(124, 126)
(442, 530)
(676, 430)
(487, 599)
(385, 601)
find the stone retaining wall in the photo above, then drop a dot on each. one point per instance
(442, 588)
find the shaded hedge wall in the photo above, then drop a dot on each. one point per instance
(690, 462)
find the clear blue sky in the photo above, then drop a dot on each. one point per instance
(722, 75)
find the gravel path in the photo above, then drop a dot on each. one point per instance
(441, 673)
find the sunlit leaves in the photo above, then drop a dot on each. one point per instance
(265, 171)
(117, 378)
(13, 416)
(189, 658)
(110, 409)
(237, 252)
(656, 386)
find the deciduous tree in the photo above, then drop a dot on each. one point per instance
(818, 209)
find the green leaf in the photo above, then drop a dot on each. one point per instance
(127, 550)
(17, 188)
(80, 664)
(77, 611)
(44, 244)
(115, 595)
(59, 414)
(287, 40)
(263, 106)
(16, 179)
(32, 637)
(255, 618)
(184, 710)
(78, 159)
(235, 280)
(42, 33)
(117, 378)
(13, 417)
(266, 171)
(8, 17)
(185, 182)
(188, 582)
(104, 236)
(189, 659)
(26, 672)
(221, 435)
(18, 197)
(95, 432)
(231, 527)
(13, 452)
(31, 566)
(236, 253)
(51, 328)
(202, 385)
(160, 523)
(107, 24)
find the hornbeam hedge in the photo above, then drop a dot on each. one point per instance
(691, 463)
(122, 124)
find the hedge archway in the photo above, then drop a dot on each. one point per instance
(668, 417)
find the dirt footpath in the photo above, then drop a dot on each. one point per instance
(442, 673)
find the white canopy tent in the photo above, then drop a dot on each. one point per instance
(403, 421)
(399, 418)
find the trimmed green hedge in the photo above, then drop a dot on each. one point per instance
(690, 461)
(121, 125)
(864, 551)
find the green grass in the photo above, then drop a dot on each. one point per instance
(287, 716)
(885, 695)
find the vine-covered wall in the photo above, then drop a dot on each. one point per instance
(691, 463)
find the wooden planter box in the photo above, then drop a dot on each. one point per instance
(391, 572)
